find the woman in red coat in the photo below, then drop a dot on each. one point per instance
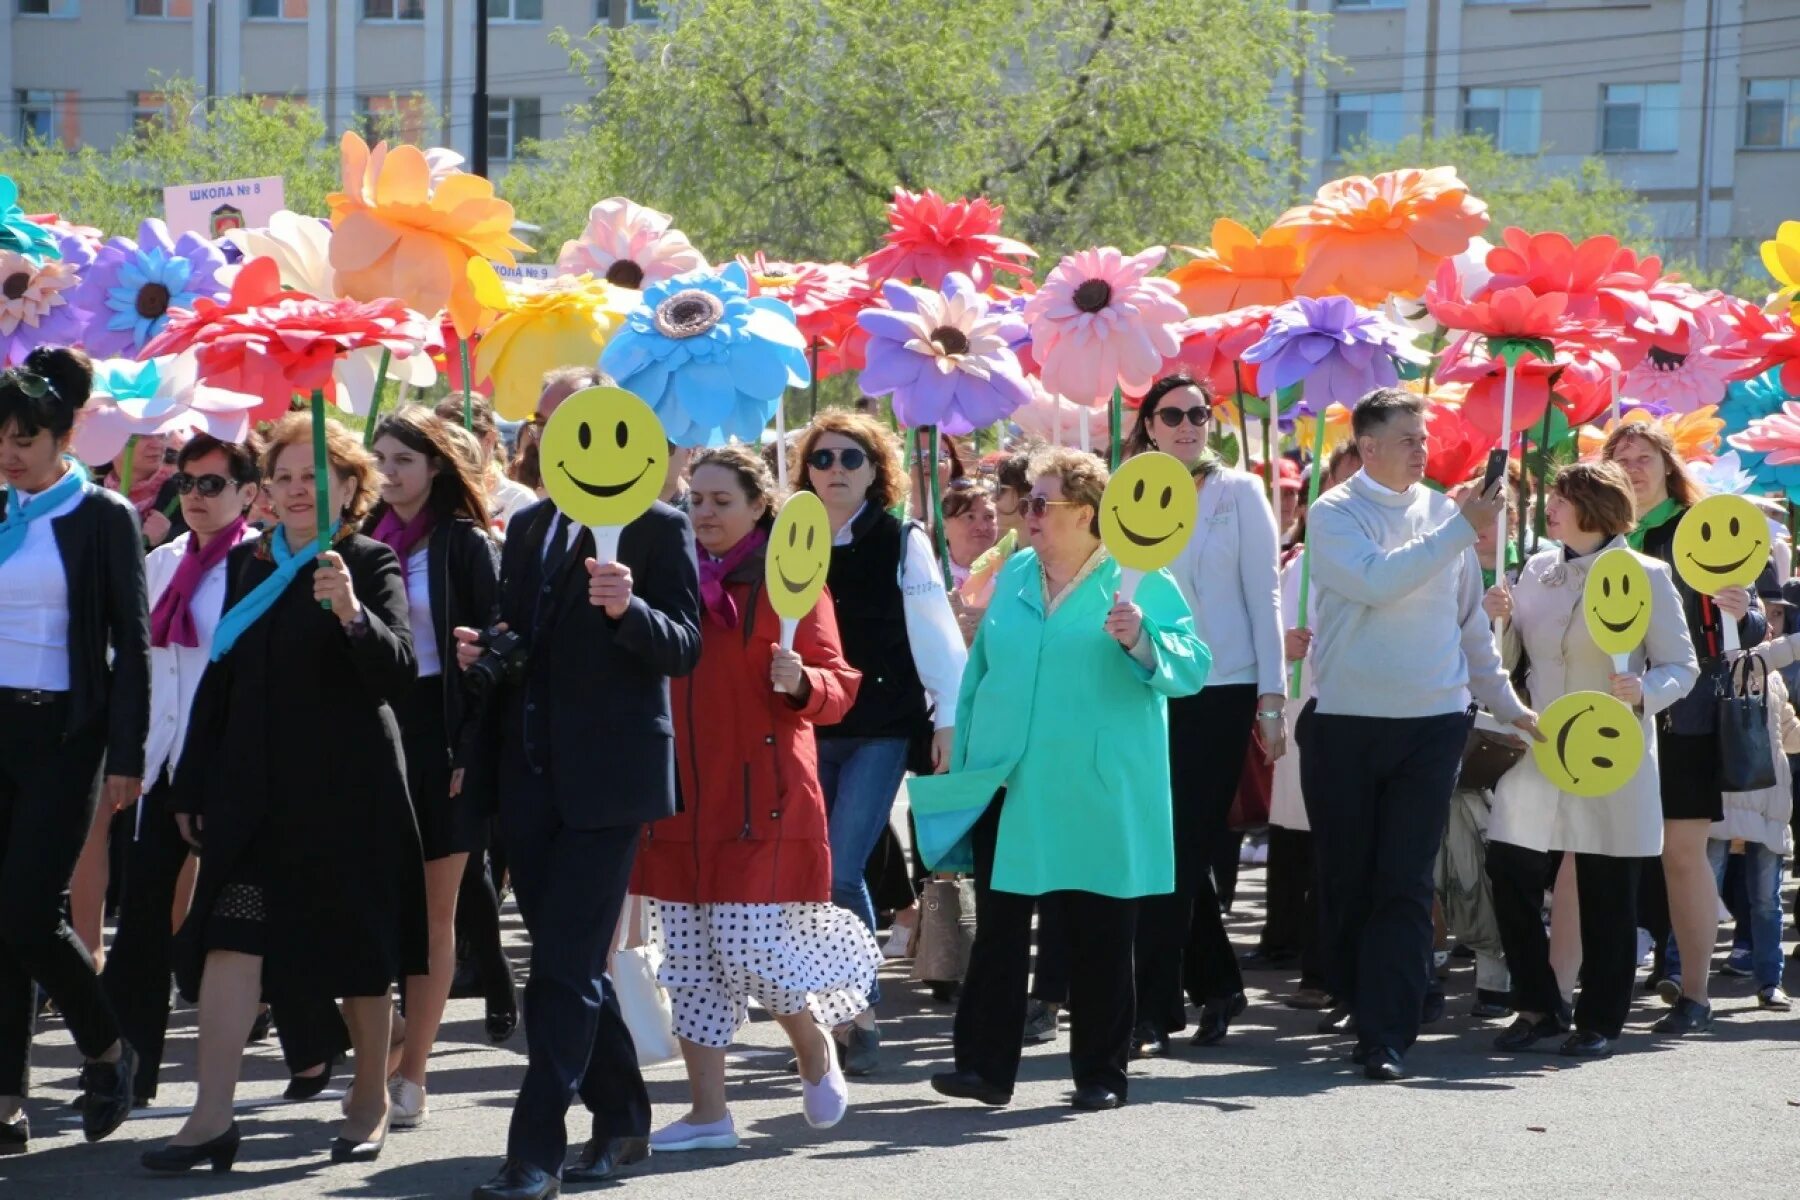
(742, 874)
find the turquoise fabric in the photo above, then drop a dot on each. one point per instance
(1077, 732)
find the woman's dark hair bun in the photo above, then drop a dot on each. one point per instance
(70, 372)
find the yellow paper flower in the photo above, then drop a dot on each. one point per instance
(396, 234)
(1337, 429)
(537, 327)
(1696, 434)
(1781, 256)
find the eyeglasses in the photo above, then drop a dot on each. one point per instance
(1171, 418)
(207, 485)
(824, 460)
(1037, 506)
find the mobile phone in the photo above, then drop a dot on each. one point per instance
(1496, 467)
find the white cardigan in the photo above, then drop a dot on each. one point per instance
(1227, 572)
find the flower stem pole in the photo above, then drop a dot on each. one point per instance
(1312, 497)
(1615, 397)
(462, 345)
(127, 466)
(321, 490)
(812, 386)
(1543, 473)
(1115, 413)
(937, 504)
(375, 400)
(1237, 374)
(781, 449)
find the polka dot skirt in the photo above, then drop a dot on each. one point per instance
(791, 957)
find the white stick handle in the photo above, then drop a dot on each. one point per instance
(781, 466)
(788, 625)
(1615, 397)
(1129, 578)
(1728, 624)
(1621, 663)
(606, 542)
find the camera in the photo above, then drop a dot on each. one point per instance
(504, 660)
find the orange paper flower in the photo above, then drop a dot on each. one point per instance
(1696, 434)
(1369, 238)
(1239, 269)
(395, 235)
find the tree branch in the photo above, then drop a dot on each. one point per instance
(1083, 79)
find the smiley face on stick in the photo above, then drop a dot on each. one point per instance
(799, 556)
(1722, 542)
(1593, 744)
(1148, 511)
(1616, 602)
(604, 457)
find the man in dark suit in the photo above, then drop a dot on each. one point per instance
(581, 749)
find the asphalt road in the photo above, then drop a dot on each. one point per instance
(1273, 1111)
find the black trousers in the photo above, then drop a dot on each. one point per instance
(1207, 736)
(49, 786)
(478, 928)
(1290, 877)
(570, 885)
(1381, 789)
(1050, 971)
(991, 1013)
(1608, 888)
(139, 964)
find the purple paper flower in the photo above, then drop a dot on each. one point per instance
(127, 293)
(1339, 351)
(943, 355)
(37, 304)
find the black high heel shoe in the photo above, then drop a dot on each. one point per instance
(15, 1135)
(173, 1160)
(343, 1150)
(305, 1087)
(259, 1029)
(503, 1022)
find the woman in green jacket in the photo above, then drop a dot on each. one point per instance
(1059, 782)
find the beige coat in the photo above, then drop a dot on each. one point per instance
(1528, 810)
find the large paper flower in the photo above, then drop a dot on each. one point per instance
(940, 354)
(929, 237)
(1484, 404)
(1696, 434)
(1724, 475)
(825, 298)
(1781, 255)
(257, 282)
(1471, 274)
(1239, 269)
(539, 327)
(18, 232)
(709, 358)
(35, 306)
(1339, 350)
(397, 236)
(1212, 348)
(1060, 421)
(1747, 402)
(160, 396)
(1776, 437)
(1763, 341)
(129, 288)
(1502, 313)
(1456, 448)
(630, 246)
(1369, 238)
(1099, 322)
(1601, 278)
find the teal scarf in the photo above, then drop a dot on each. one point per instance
(262, 597)
(20, 513)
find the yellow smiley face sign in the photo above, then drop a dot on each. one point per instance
(1593, 744)
(603, 457)
(1722, 542)
(1616, 602)
(799, 556)
(1148, 511)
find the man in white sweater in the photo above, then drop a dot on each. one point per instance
(1401, 644)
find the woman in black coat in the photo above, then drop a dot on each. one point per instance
(74, 689)
(311, 881)
(433, 516)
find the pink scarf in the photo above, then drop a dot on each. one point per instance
(143, 490)
(714, 571)
(172, 620)
(401, 536)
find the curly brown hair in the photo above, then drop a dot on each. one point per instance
(1083, 476)
(877, 441)
(348, 458)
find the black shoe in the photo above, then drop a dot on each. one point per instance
(259, 1028)
(1653, 981)
(1216, 1017)
(502, 1023)
(1586, 1044)
(518, 1181)
(1339, 1021)
(604, 1158)
(1091, 1097)
(1149, 1041)
(1522, 1034)
(1688, 1016)
(967, 1085)
(1267, 958)
(221, 1151)
(1359, 1054)
(343, 1150)
(1433, 1007)
(15, 1136)
(1384, 1065)
(106, 1093)
(1491, 1005)
(465, 984)
(305, 1087)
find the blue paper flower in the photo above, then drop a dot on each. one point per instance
(20, 234)
(708, 357)
(1750, 400)
(1337, 349)
(128, 291)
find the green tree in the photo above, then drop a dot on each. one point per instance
(785, 124)
(1520, 189)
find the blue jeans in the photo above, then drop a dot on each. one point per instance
(1762, 879)
(861, 777)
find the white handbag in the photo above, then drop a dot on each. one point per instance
(642, 1000)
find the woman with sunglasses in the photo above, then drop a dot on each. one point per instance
(1230, 576)
(74, 691)
(897, 629)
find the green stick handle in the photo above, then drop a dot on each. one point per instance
(462, 345)
(321, 492)
(1312, 497)
(1115, 412)
(128, 466)
(375, 400)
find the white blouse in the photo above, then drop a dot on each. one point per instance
(34, 607)
(175, 670)
(418, 605)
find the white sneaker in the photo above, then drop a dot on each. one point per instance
(825, 1102)
(899, 942)
(685, 1135)
(407, 1104)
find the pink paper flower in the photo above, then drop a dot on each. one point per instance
(1100, 322)
(629, 245)
(36, 306)
(1776, 436)
(929, 237)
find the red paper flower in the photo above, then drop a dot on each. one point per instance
(825, 298)
(929, 237)
(1486, 377)
(1211, 347)
(1499, 312)
(1764, 341)
(440, 344)
(1457, 448)
(1600, 277)
(258, 282)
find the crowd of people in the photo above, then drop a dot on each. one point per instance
(318, 726)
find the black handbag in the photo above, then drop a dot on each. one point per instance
(1746, 755)
(1486, 758)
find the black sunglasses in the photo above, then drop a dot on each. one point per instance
(824, 460)
(1172, 417)
(1037, 506)
(207, 485)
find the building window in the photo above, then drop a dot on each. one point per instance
(393, 10)
(275, 10)
(512, 120)
(1511, 117)
(643, 10)
(391, 118)
(1639, 117)
(1366, 5)
(515, 10)
(49, 8)
(1771, 114)
(163, 10)
(1364, 116)
(147, 109)
(39, 113)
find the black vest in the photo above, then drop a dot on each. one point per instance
(871, 617)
